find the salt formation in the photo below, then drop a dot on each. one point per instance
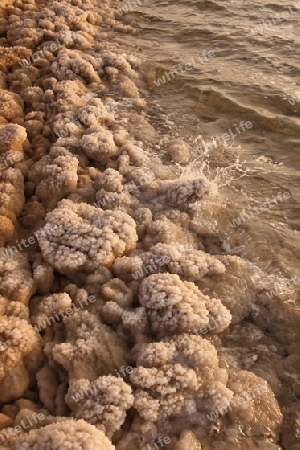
(74, 435)
(86, 237)
(172, 339)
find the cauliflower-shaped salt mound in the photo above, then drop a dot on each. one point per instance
(116, 290)
(46, 309)
(16, 282)
(92, 348)
(69, 93)
(166, 231)
(11, 105)
(11, 193)
(82, 237)
(236, 287)
(188, 263)
(9, 56)
(177, 378)
(12, 137)
(168, 304)
(43, 276)
(73, 64)
(255, 407)
(55, 175)
(112, 192)
(110, 180)
(23, 30)
(98, 144)
(11, 201)
(94, 113)
(179, 151)
(182, 193)
(104, 404)
(174, 306)
(118, 62)
(20, 355)
(7, 231)
(66, 435)
(66, 125)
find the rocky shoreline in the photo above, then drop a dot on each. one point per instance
(89, 211)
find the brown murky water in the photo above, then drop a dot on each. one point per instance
(253, 76)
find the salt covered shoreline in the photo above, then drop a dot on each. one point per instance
(76, 151)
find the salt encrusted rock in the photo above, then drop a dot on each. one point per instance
(46, 310)
(98, 144)
(43, 277)
(176, 381)
(21, 356)
(11, 194)
(95, 113)
(33, 94)
(173, 306)
(85, 237)
(112, 191)
(169, 306)
(104, 402)
(33, 212)
(7, 230)
(178, 377)
(166, 231)
(188, 263)
(255, 407)
(236, 287)
(68, 93)
(16, 282)
(12, 137)
(92, 348)
(72, 64)
(179, 151)
(10, 56)
(188, 441)
(143, 218)
(55, 175)
(116, 290)
(183, 193)
(67, 433)
(11, 105)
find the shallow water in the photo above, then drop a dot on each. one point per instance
(252, 77)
